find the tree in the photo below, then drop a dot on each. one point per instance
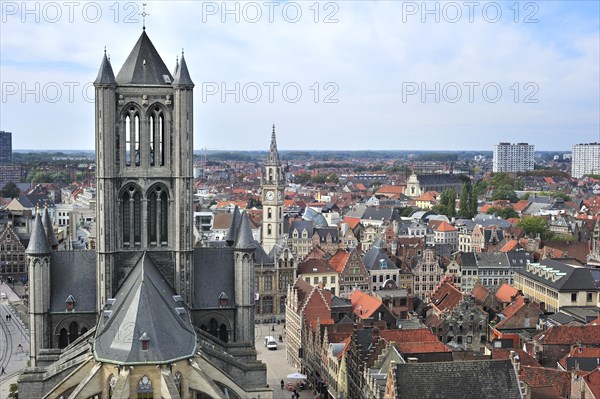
(534, 226)
(13, 391)
(503, 212)
(10, 190)
(504, 192)
(447, 205)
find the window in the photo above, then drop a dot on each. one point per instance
(324, 280)
(268, 305)
(469, 339)
(574, 297)
(307, 279)
(590, 297)
(315, 280)
(268, 283)
(332, 281)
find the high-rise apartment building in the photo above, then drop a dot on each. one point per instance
(585, 160)
(5, 147)
(513, 157)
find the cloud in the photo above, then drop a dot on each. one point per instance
(365, 61)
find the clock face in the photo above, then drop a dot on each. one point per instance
(270, 195)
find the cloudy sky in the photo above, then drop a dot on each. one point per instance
(347, 75)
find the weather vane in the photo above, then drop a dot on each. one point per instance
(144, 14)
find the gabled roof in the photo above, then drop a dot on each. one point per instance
(145, 304)
(480, 293)
(446, 297)
(364, 305)
(592, 380)
(445, 227)
(567, 335)
(570, 277)
(376, 259)
(339, 259)
(581, 358)
(471, 379)
(557, 381)
(524, 358)
(506, 293)
(144, 66)
(314, 265)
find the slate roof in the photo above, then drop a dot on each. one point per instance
(244, 239)
(491, 259)
(449, 380)
(73, 273)
(300, 226)
(218, 264)
(182, 75)
(144, 66)
(375, 256)
(105, 74)
(145, 305)
(52, 241)
(438, 179)
(38, 241)
(574, 278)
(376, 213)
(468, 259)
(324, 231)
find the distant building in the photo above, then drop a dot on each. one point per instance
(585, 159)
(10, 173)
(513, 157)
(5, 147)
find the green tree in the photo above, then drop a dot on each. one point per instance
(465, 196)
(504, 192)
(535, 225)
(473, 202)
(10, 190)
(503, 212)
(13, 391)
(447, 205)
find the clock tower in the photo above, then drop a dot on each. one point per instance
(273, 186)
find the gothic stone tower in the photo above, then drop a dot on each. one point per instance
(144, 145)
(273, 191)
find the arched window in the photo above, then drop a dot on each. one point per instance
(131, 212)
(157, 138)
(73, 332)
(158, 206)
(223, 335)
(63, 338)
(132, 137)
(213, 327)
(269, 230)
(127, 141)
(269, 213)
(152, 139)
(145, 389)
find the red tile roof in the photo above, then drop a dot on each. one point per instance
(509, 246)
(480, 293)
(506, 293)
(410, 335)
(566, 335)
(387, 189)
(540, 377)
(511, 310)
(484, 208)
(364, 305)
(445, 227)
(352, 222)
(338, 260)
(524, 358)
(446, 297)
(421, 347)
(428, 196)
(521, 205)
(592, 380)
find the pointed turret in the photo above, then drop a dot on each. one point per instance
(176, 66)
(233, 227)
(244, 240)
(182, 75)
(273, 153)
(144, 66)
(47, 223)
(38, 242)
(105, 75)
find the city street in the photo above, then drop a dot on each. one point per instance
(277, 366)
(14, 342)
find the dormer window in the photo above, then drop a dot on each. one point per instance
(223, 300)
(70, 302)
(145, 341)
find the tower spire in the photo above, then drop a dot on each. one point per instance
(144, 14)
(273, 153)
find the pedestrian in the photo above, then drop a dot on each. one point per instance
(3, 372)
(282, 384)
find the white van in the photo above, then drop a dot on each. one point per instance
(270, 343)
(3, 296)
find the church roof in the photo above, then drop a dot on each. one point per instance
(244, 239)
(38, 242)
(145, 304)
(73, 273)
(144, 66)
(233, 228)
(105, 74)
(181, 76)
(218, 264)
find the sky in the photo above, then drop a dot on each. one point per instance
(331, 75)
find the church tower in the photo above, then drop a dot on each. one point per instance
(38, 255)
(144, 177)
(273, 187)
